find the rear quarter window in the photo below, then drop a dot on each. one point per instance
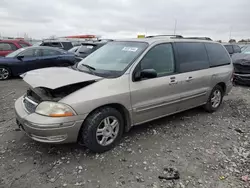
(191, 56)
(217, 54)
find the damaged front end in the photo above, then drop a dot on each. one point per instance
(34, 96)
(241, 69)
(53, 84)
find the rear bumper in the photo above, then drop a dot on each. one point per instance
(48, 129)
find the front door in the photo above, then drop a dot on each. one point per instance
(30, 59)
(155, 97)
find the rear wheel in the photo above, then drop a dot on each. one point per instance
(102, 129)
(4, 73)
(215, 99)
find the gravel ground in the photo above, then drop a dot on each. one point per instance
(208, 150)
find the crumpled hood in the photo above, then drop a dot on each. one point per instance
(56, 77)
(243, 59)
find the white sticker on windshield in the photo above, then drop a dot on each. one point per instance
(90, 47)
(130, 49)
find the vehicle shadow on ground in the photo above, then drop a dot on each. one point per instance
(134, 133)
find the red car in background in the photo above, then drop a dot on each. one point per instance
(10, 45)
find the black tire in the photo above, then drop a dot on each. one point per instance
(5, 69)
(89, 129)
(208, 106)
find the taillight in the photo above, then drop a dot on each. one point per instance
(232, 77)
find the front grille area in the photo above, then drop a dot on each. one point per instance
(29, 105)
(243, 69)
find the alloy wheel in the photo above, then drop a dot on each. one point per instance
(216, 98)
(107, 131)
(4, 73)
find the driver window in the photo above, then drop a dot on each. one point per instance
(28, 53)
(160, 58)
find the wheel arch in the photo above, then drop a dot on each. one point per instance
(119, 107)
(223, 86)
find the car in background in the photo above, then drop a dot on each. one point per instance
(123, 84)
(241, 62)
(89, 47)
(62, 44)
(30, 58)
(243, 46)
(74, 49)
(232, 48)
(8, 46)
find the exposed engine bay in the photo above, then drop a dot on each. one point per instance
(40, 94)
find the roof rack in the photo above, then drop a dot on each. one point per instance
(199, 38)
(171, 36)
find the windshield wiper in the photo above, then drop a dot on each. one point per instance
(92, 69)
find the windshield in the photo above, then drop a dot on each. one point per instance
(15, 53)
(113, 58)
(246, 50)
(74, 49)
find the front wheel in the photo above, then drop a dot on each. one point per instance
(215, 99)
(4, 73)
(102, 129)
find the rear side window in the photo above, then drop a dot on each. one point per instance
(217, 54)
(47, 52)
(191, 56)
(236, 49)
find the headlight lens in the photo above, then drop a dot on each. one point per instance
(54, 109)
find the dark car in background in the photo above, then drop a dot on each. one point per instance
(241, 62)
(30, 58)
(62, 44)
(8, 46)
(89, 47)
(232, 48)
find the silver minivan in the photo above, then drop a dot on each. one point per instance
(122, 84)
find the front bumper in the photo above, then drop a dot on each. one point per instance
(243, 79)
(47, 129)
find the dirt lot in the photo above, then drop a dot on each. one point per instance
(208, 150)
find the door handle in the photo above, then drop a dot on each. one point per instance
(189, 79)
(173, 81)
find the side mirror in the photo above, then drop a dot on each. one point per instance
(145, 73)
(20, 57)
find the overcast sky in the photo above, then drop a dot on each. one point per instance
(125, 18)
